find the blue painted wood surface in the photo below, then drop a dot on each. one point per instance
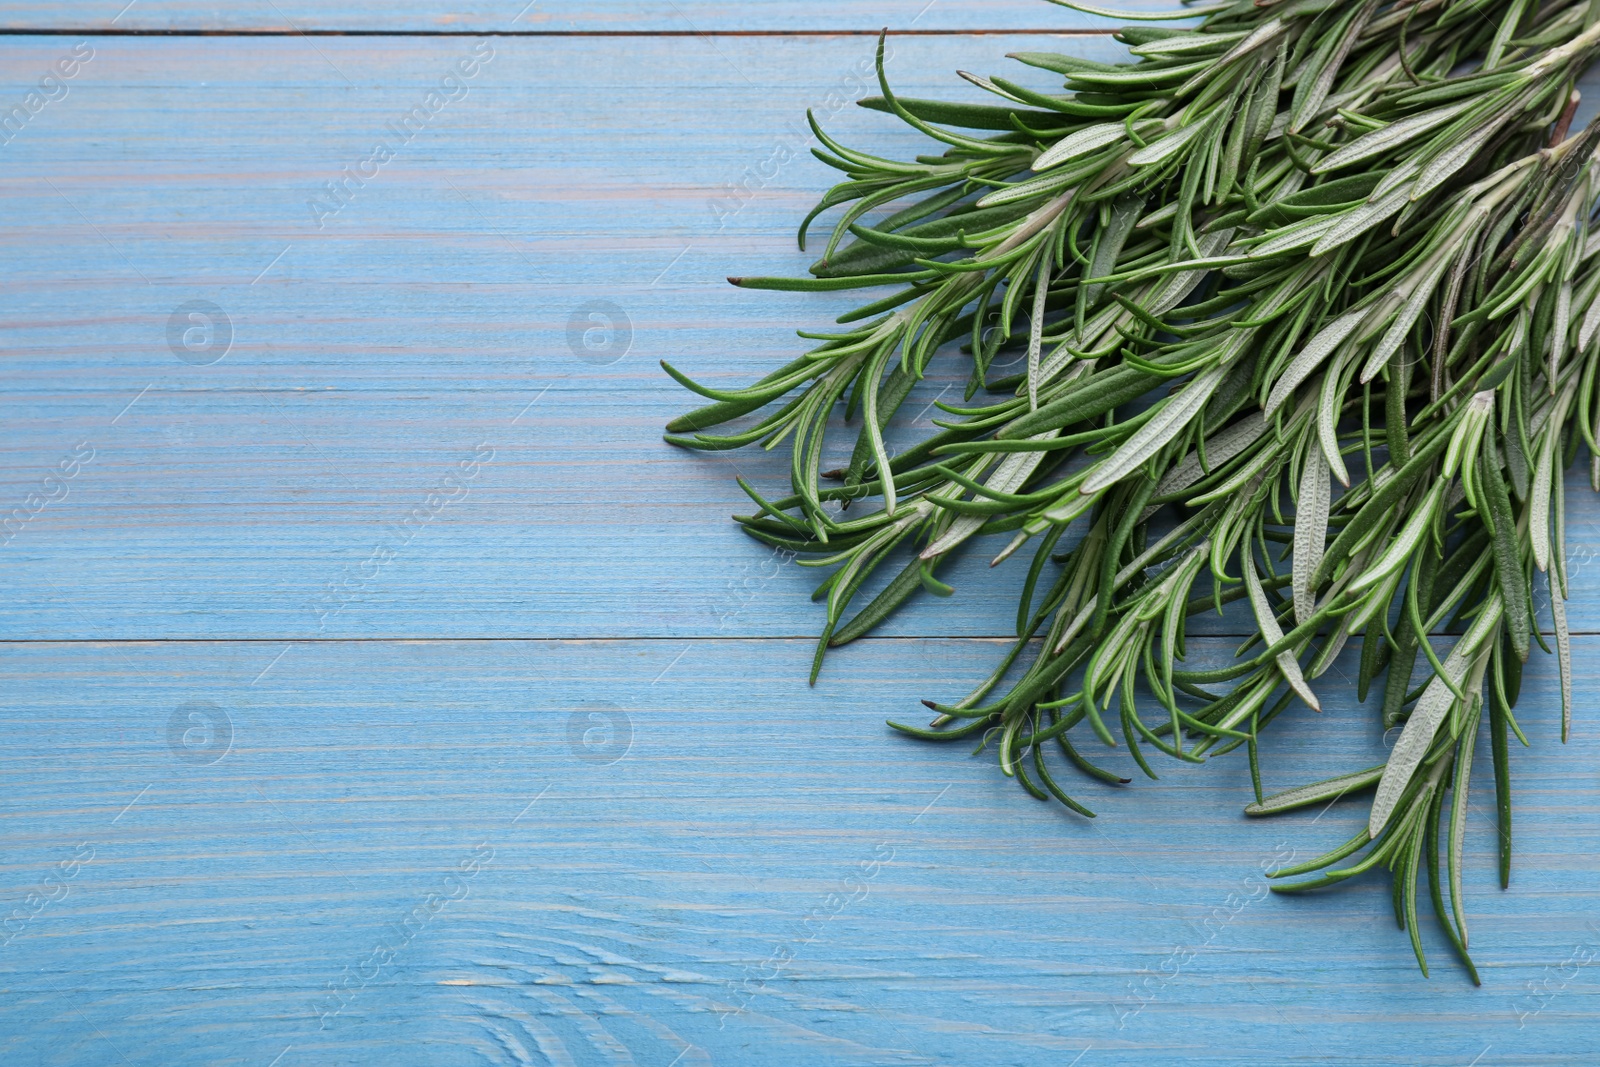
(543, 783)
(555, 16)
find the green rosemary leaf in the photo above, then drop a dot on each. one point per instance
(968, 116)
(1387, 138)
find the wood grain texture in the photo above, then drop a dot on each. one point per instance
(266, 495)
(559, 16)
(374, 353)
(636, 905)
(764, 874)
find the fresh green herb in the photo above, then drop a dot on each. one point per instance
(1303, 243)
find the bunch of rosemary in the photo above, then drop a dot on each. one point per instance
(1305, 243)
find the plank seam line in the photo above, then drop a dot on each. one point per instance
(28, 31)
(709, 638)
(488, 640)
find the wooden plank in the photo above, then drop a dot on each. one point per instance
(372, 356)
(553, 16)
(863, 901)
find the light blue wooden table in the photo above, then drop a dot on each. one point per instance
(379, 689)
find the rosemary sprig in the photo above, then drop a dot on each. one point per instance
(1302, 244)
